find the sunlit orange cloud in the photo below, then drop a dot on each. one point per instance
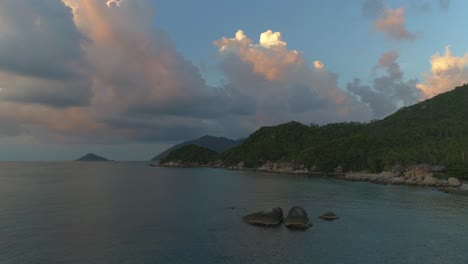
(291, 89)
(270, 58)
(123, 46)
(447, 72)
(392, 23)
(318, 65)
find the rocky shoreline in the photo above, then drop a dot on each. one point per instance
(417, 175)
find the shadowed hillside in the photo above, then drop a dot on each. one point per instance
(434, 131)
(218, 144)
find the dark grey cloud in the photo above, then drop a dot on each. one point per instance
(48, 92)
(39, 39)
(388, 92)
(303, 99)
(41, 54)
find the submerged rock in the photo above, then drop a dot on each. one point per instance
(297, 218)
(456, 191)
(329, 216)
(271, 217)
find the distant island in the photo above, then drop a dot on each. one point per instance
(92, 157)
(217, 144)
(432, 132)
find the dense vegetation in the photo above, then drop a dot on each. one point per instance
(190, 153)
(218, 144)
(434, 131)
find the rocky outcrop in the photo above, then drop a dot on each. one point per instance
(278, 167)
(429, 180)
(418, 171)
(418, 175)
(329, 216)
(181, 164)
(271, 217)
(297, 218)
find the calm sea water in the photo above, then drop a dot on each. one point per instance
(70, 212)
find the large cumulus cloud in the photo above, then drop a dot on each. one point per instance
(280, 84)
(447, 72)
(98, 70)
(103, 72)
(41, 60)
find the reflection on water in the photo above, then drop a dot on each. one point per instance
(70, 212)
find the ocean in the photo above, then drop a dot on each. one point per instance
(128, 212)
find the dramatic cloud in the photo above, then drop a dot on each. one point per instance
(388, 92)
(41, 60)
(97, 71)
(447, 72)
(269, 58)
(281, 84)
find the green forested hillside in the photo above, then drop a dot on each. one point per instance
(434, 131)
(218, 144)
(190, 153)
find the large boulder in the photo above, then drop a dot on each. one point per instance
(297, 218)
(271, 217)
(353, 176)
(454, 182)
(329, 216)
(430, 181)
(418, 172)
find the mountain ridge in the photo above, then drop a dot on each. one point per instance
(217, 144)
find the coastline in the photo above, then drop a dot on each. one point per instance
(421, 175)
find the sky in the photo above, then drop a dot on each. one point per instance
(128, 78)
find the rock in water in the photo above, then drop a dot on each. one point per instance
(329, 216)
(271, 217)
(457, 191)
(297, 218)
